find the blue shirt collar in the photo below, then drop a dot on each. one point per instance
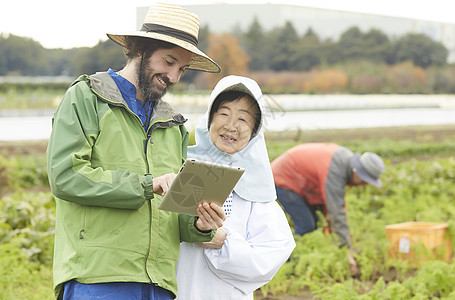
(128, 91)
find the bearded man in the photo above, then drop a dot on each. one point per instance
(113, 152)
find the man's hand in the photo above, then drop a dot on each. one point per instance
(217, 242)
(211, 216)
(162, 183)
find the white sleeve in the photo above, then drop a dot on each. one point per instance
(249, 262)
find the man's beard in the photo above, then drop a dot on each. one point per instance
(144, 79)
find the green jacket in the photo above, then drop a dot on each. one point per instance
(98, 153)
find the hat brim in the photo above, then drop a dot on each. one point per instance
(199, 62)
(362, 173)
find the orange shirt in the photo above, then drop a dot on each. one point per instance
(303, 169)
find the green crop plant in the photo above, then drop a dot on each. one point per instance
(414, 189)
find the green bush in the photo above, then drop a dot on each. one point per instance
(23, 172)
(26, 245)
(21, 278)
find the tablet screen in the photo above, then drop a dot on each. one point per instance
(200, 181)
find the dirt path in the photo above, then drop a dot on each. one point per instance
(18, 148)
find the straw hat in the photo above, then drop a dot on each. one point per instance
(176, 25)
(369, 167)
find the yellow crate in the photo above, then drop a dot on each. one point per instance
(418, 242)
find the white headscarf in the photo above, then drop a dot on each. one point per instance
(256, 184)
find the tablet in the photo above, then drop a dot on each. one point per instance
(199, 181)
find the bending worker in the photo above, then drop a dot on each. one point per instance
(313, 176)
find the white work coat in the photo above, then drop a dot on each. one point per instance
(258, 242)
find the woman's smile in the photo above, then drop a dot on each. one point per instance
(232, 125)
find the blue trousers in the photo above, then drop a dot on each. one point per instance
(303, 215)
(74, 290)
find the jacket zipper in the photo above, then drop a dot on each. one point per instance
(166, 124)
(150, 242)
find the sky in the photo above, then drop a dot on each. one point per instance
(83, 23)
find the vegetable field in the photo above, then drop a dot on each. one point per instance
(418, 185)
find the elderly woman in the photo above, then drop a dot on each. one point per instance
(256, 238)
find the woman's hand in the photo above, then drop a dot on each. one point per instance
(211, 216)
(217, 242)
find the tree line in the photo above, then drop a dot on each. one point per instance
(254, 50)
(278, 49)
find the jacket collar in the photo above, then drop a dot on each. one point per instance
(102, 84)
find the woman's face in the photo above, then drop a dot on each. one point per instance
(232, 125)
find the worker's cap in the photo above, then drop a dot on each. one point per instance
(369, 167)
